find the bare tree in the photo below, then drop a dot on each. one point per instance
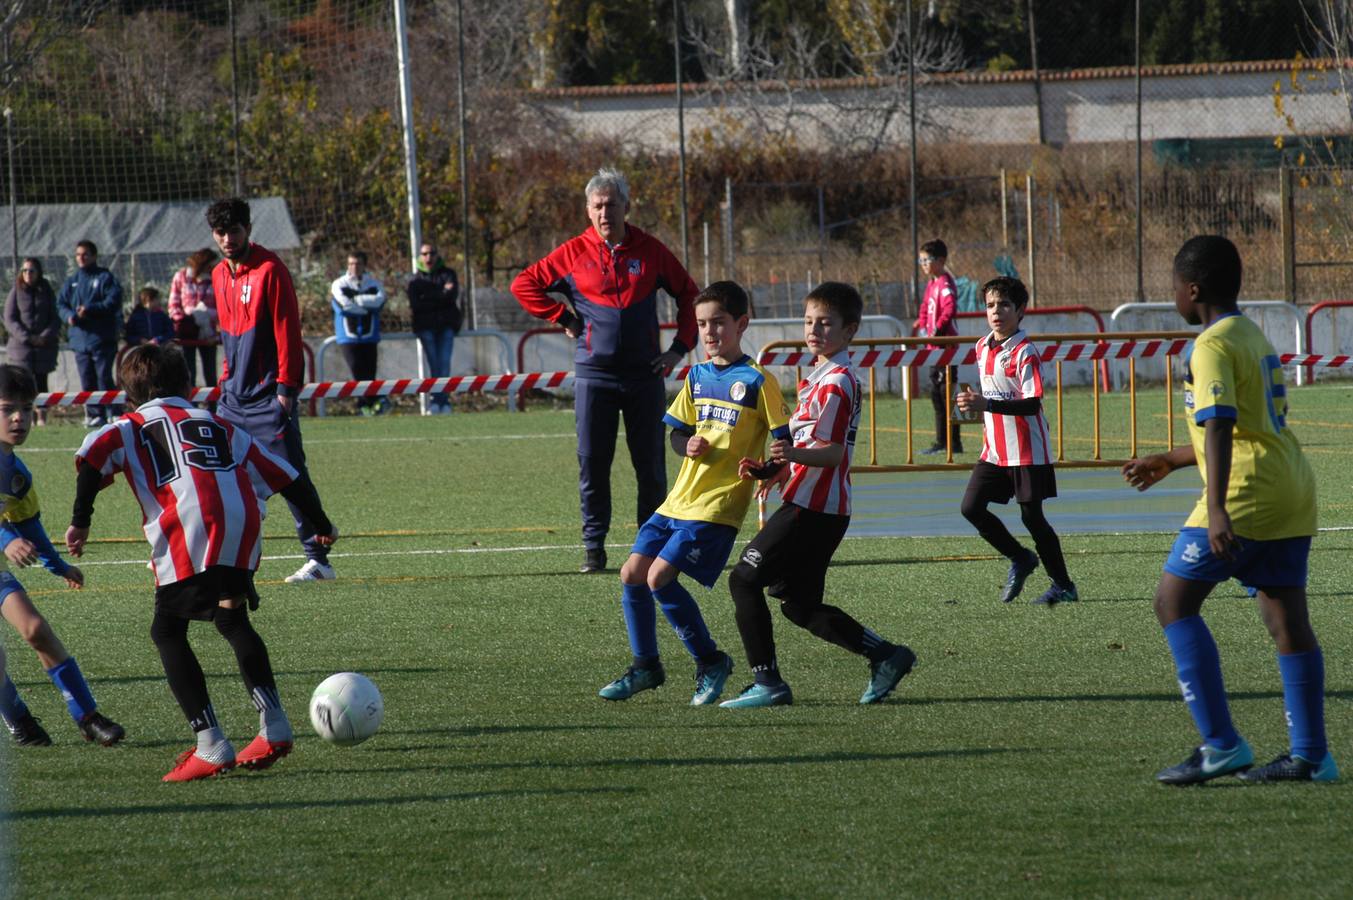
(1331, 23)
(800, 86)
(29, 27)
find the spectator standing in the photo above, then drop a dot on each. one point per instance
(357, 297)
(192, 307)
(33, 326)
(148, 322)
(610, 276)
(264, 364)
(90, 302)
(937, 318)
(434, 301)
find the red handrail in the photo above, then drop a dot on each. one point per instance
(1310, 314)
(308, 353)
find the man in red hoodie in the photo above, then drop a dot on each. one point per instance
(609, 277)
(937, 318)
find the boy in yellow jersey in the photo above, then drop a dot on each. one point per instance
(721, 417)
(1253, 523)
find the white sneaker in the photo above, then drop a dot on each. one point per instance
(312, 571)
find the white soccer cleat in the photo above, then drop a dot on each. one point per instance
(313, 570)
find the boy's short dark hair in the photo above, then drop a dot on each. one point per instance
(147, 294)
(935, 248)
(89, 245)
(152, 371)
(359, 255)
(839, 296)
(729, 295)
(1213, 263)
(1007, 288)
(224, 215)
(16, 383)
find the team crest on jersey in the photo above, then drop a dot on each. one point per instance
(636, 266)
(751, 556)
(245, 292)
(1216, 389)
(696, 388)
(737, 391)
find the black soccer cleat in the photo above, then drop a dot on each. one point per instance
(1294, 768)
(594, 560)
(27, 731)
(98, 727)
(1020, 570)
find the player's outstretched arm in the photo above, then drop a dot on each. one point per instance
(1143, 472)
(75, 540)
(74, 577)
(826, 456)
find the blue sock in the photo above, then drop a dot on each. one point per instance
(683, 613)
(1304, 698)
(1199, 667)
(641, 620)
(12, 707)
(71, 683)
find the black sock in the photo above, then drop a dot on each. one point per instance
(647, 663)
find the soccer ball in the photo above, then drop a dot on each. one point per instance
(346, 709)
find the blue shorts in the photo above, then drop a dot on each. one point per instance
(8, 585)
(697, 549)
(1256, 564)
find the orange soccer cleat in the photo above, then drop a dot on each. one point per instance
(262, 753)
(191, 767)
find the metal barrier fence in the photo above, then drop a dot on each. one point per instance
(912, 352)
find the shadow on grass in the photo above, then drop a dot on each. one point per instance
(666, 762)
(29, 815)
(158, 677)
(1172, 697)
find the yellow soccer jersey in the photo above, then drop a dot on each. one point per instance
(1233, 373)
(18, 500)
(734, 407)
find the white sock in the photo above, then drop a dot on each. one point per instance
(274, 726)
(213, 747)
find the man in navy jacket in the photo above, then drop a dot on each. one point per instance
(610, 276)
(90, 303)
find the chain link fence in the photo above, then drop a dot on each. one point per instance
(789, 181)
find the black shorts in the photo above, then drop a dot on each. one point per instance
(789, 557)
(997, 484)
(200, 596)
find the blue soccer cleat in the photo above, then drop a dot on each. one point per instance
(710, 680)
(758, 695)
(1294, 768)
(632, 682)
(1207, 763)
(884, 676)
(1020, 570)
(1057, 594)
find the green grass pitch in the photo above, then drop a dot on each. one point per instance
(1017, 759)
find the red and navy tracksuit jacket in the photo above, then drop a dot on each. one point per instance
(614, 290)
(260, 325)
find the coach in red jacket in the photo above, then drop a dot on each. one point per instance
(609, 277)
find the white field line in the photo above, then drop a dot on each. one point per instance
(374, 440)
(575, 548)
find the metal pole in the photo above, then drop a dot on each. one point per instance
(1038, 84)
(1141, 259)
(1005, 215)
(469, 280)
(410, 144)
(235, 98)
(729, 257)
(912, 191)
(13, 191)
(706, 249)
(1029, 227)
(681, 130)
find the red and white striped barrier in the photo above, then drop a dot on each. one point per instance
(864, 359)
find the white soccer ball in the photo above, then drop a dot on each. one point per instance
(346, 709)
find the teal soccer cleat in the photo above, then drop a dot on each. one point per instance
(709, 681)
(1294, 768)
(758, 695)
(1057, 594)
(884, 676)
(632, 682)
(1207, 763)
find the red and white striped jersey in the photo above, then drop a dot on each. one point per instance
(828, 413)
(202, 484)
(1010, 370)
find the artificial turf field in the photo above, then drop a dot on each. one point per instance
(1016, 759)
